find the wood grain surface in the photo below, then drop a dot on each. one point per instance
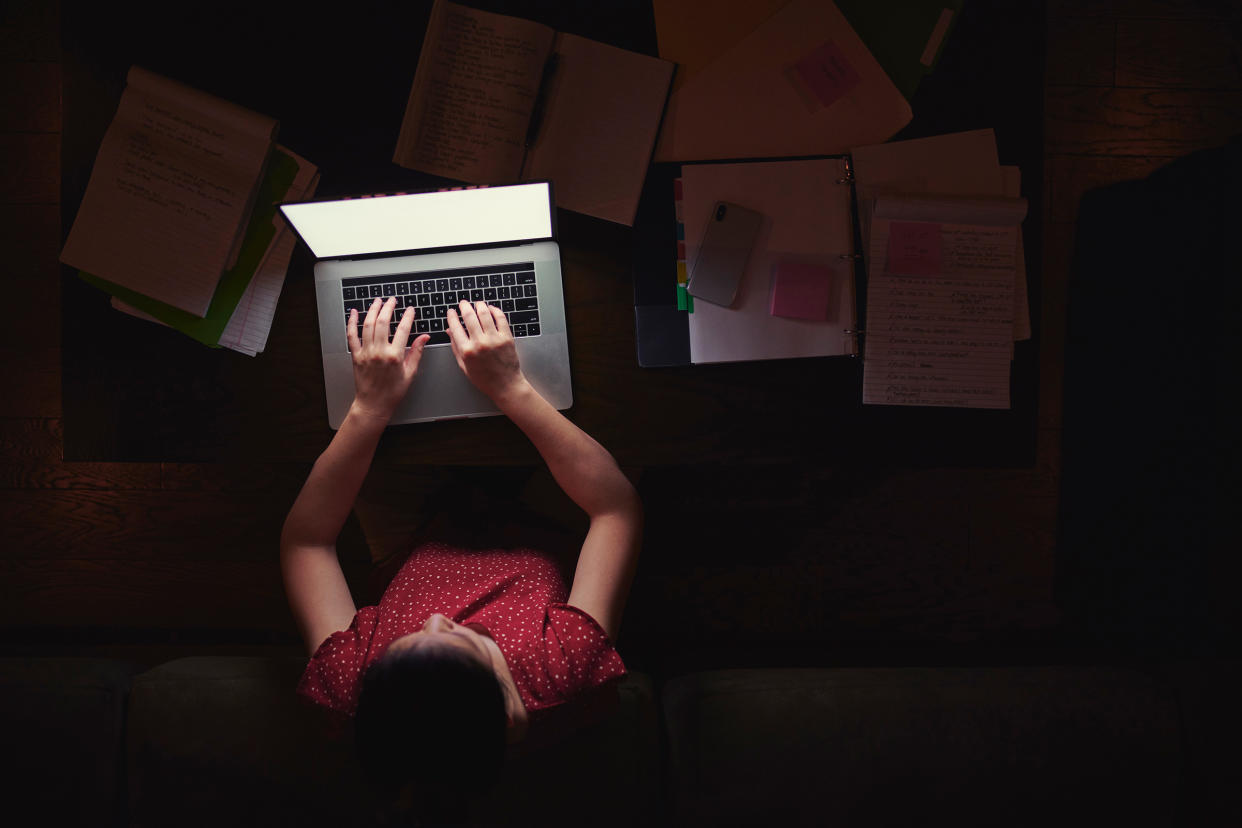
(743, 545)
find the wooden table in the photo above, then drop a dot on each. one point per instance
(133, 391)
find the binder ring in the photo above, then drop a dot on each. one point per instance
(848, 176)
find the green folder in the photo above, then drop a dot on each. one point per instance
(897, 33)
(281, 171)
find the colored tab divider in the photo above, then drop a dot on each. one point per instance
(685, 302)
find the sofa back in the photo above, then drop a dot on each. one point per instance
(201, 741)
(996, 745)
(63, 725)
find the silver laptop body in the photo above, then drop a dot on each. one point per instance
(482, 252)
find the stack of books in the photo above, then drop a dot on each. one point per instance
(179, 222)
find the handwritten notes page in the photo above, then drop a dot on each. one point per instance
(251, 321)
(475, 86)
(940, 301)
(170, 192)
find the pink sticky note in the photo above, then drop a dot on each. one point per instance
(827, 73)
(800, 290)
(914, 248)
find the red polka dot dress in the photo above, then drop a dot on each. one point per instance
(554, 651)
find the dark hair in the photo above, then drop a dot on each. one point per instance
(430, 722)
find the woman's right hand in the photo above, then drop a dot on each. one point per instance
(383, 369)
(483, 345)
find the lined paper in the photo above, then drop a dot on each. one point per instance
(942, 337)
(958, 164)
(173, 182)
(248, 328)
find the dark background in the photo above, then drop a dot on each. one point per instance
(840, 555)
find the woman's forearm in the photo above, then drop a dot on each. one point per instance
(584, 469)
(329, 492)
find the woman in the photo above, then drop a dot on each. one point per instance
(466, 645)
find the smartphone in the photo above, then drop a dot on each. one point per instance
(717, 271)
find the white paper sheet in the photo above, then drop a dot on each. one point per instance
(959, 163)
(251, 322)
(940, 323)
(807, 217)
(173, 181)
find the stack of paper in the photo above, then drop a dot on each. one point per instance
(946, 280)
(247, 319)
(179, 220)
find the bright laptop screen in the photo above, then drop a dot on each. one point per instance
(419, 221)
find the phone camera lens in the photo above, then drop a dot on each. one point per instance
(720, 213)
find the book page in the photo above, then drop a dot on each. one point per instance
(806, 221)
(940, 301)
(169, 193)
(601, 115)
(477, 78)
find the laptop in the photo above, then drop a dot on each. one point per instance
(429, 251)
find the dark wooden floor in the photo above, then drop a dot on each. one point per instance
(183, 557)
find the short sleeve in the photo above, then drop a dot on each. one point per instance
(577, 654)
(334, 674)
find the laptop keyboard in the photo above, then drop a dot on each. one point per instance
(510, 287)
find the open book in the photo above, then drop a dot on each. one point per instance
(500, 99)
(171, 191)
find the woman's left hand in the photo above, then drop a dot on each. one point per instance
(383, 370)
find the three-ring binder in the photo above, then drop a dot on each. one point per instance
(663, 327)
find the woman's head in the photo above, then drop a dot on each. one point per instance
(431, 721)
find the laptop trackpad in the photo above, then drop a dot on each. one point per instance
(441, 390)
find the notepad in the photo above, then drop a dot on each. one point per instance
(940, 301)
(240, 323)
(801, 290)
(170, 192)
